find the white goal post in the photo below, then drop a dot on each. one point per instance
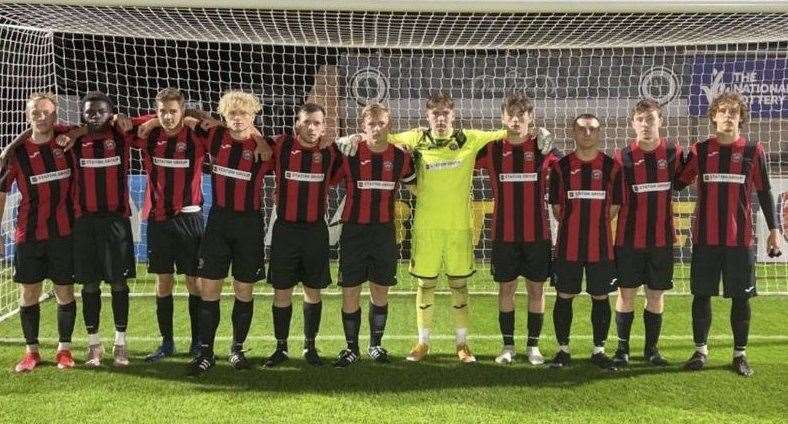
(570, 57)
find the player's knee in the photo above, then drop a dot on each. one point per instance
(29, 293)
(426, 283)
(655, 300)
(458, 283)
(164, 284)
(91, 288)
(378, 294)
(311, 295)
(535, 290)
(243, 291)
(211, 290)
(119, 286)
(283, 298)
(193, 285)
(64, 294)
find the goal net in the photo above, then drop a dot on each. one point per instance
(568, 61)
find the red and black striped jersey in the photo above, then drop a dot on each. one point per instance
(371, 180)
(44, 175)
(236, 179)
(726, 176)
(648, 179)
(303, 176)
(174, 168)
(518, 175)
(101, 183)
(584, 190)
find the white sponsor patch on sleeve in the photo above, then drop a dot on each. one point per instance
(171, 163)
(50, 176)
(232, 173)
(376, 185)
(649, 187)
(518, 178)
(586, 194)
(304, 176)
(99, 162)
(724, 178)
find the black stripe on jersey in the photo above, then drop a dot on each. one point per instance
(153, 178)
(26, 169)
(54, 191)
(585, 212)
(283, 162)
(216, 143)
(538, 197)
(607, 170)
(233, 162)
(377, 174)
(702, 226)
(189, 170)
(83, 197)
(121, 176)
(169, 178)
(629, 168)
(722, 196)
(516, 208)
(495, 158)
(651, 210)
(673, 163)
(302, 211)
(355, 173)
(100, 177)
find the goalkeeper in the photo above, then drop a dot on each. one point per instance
(442, 232)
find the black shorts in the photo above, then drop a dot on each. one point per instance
(652, 267)
(35, 261)
(368, 252)
(299, 253)
(512, 260)
(103, 249)
(736, 266)
(175, 244)
(233, 237)
(568, 277)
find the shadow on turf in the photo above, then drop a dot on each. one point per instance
(440, 371)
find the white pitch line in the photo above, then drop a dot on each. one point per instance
(335, 337)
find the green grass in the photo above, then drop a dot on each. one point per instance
(436, 391)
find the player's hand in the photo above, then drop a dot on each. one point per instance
(348, 145)
(209, 123)
(122, 122)
(773, 243)
(146, 128)
(191, 122)
(262, 151)
(544, 140)
(65, 142)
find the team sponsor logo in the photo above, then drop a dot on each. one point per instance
(662, 164)
(57, 152)
(50, 176)
(596, 174)
(515, 178)
(247, 154)
(304, 176)
(109, 144)
(99, 162)
(365, 162)
(453, 145)
(724, 178)
(736, 157)
(640, 162)
(171, 163)
(376, 185)
(181, 146)
(316, 157)
(586, 194)
(388, 166)
(507, 153)
(529, 156)
(443, 164)
(232, 173)
(649, 187)
(574, 171)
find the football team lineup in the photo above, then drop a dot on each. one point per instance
(615, 232)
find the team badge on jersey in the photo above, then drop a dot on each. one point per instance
(316, 157)
(387, 165)
(247, 154)
(109, 144)
(57, 152)
(181, 147)
(529, 156)
(662, 164)
(736, 157)
(596, 174)
(453, 145)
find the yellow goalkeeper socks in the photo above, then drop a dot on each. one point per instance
(425, 300)
(459, 303)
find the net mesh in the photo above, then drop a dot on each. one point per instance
(567, 63)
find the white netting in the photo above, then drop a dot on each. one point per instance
(568, 63)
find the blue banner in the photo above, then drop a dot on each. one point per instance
(762, 82)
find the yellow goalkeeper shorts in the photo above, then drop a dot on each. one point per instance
(436, 251)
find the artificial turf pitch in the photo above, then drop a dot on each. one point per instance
(439, 390)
